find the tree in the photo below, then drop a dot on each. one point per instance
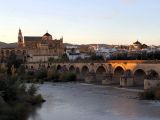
(96, 57)
(13, 61)
(64, 57)
(152, 75)
(50, 60)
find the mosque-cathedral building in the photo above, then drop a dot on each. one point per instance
(35, 48)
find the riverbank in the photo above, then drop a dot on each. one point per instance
(130, 89)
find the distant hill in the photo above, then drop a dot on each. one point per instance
(100, 45)
(67, 44)
(7, 45)
(12, 45)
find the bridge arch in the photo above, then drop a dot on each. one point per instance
(85, 70)
(77, 70)
(100, 74)
(64, 68)
(119, 71)
(72, 68)
(139, 76)
(101, 70)
(32, 67)
(59, 68)
(26, 67)
(115, 66)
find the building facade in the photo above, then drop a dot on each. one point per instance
(35, 48)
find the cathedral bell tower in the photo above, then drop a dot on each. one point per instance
(20, 39)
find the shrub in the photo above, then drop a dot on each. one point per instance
(1, 99)
(41, 74)
(28, 76)
(2, 76)
(16, 99)
(39, 99)
(10, 88)
(66, 77)
(32, 90)
(3, 71)
(21, 70)
(30, 73)
(34, 100)
(152, 75)
(19, 111)
(54, 76)
(96, 57)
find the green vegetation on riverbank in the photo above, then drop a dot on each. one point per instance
(42, 75)
(16, 99)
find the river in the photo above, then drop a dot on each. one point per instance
(76, 101)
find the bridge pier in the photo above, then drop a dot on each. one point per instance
(100, 77)
(80, 77)
(90, 78)
(126, 81)
(108, 79)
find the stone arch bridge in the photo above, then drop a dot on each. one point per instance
(110, 70)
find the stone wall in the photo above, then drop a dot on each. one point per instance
(150, 83)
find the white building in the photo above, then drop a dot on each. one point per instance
(105, 52)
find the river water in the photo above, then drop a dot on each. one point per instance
(76, 101)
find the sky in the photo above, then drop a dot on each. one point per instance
(119, 22)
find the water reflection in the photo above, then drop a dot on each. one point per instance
(34, 110)
(74, 101)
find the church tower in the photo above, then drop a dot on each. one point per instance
(20, 39)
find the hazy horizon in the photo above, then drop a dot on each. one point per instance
(119, 22)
